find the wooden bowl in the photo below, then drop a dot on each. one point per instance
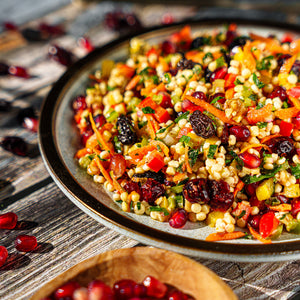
(136, 263)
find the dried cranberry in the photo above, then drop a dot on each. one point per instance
(230, 36)
(18, 72)
(295, 207)
(196, 190)
(124, 289)
(168, 47)
(15, 145)
(251, 161)
(3, 255)
(85, 136)
(255, 202)
(132, 186)
(199, 95)
(66, 290)
(178, 218)
(25, 243)
(155, 288)
(61, 55)
(225, 135)
(5, 105)
(219, 73)
(202, 124)
(281, 198)
(185, 64)
(173, 72)
(242, 133)
(3, 69)
(280, 92)
(220, 196)
(283, 146)
(216, 95)
(253, 221)
(79, 103)
(251, 188)
(8, 220)
(296, 68)
(97, 289)
(151, 190)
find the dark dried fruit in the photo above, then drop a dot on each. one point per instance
(239, 41)
(283, 146)
(151, 190)
(158, 176)
(196, 191)
(253, 221)
(168, 47)
(281, 59)
(199, 95)
(198, 42)
(202, 124)
(127, 135)
(280, 92)
(296, 68)
(220, 196)
(132, 186)
(225, 135)
(15, 145)
(32, 35)
(207, 75)
(185, 64)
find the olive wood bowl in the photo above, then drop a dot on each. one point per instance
(171, 268)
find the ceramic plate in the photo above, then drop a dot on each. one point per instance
(136, 263)
(59, 141)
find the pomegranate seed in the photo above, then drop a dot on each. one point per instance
(3, 255)
(177, 295)
(178, 218)
(295, 208)
(10, 26)
(81, 294)
(199, 95)
(242, 133)
(251, 161)
(8, 220)
(85, 43)
(221, 100)
(253, 221)
(99, 120)
(187, 105)
(279, 92)
(25, 243)
(15, 145)
(31, 123)
(18, 72)
(66, 290)
(219, 73)
(155, 288)
(167, 19)
(168, 47)
(97, 289)
(5, 105)
(79, 103)
(52, 30)
(140, 290)
(3, 69)
(124, 289)
(61, 55)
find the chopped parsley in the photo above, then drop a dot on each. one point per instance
(261, 125)
(159, 209)
(296, 170)
(167, 76)
(208, 54)
(239, 161)
(144, 71)
(216, 99)
(110, 88)
(193, 155)
(185, 139)
(117, 144)
(265, 63)
(285, 104)
(220, 61)
(148, 110)
(237, 82)
(212, 150)
(142, 124)
(241, 214)
(257, 82)
(182, 116)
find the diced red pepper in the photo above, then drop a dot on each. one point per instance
(184, 131)
(294, 92)
(156, 162)
(286, 128)
(242, 210)
(166, 100)
(126, 70)
(268, 224)
(287, 38)
(187, 105)
(161, 115)
(229, 80)
(152, 51)
(148, 102)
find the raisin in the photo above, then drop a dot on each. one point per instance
(159, 176)
(202, 124)
(196, 191)
(296, 68)
(151, 190)
(207, 75)
(220, 196)
(185, 64)
(282, 145)
(198, 42)
(239, 41)
(126, 136)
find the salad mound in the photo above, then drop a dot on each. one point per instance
(204, 126)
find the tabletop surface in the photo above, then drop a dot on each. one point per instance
(65, 234)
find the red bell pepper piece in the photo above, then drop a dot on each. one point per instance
(242, 211)
(184, 131)
(161, 115)
(294, 92)
(268, 224)
(286, 128)
(229, 80)
(156, 162)
(166, 100)
(187, 105)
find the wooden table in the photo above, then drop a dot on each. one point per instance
(65, 234)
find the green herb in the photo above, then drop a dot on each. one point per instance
(228, 161)
(253, 97)
(257, 82)
(237, 81)
(112, 116)
(148, 110)
(220, 38)
(206, 40)
(179, 169)
(182, 116)
(247, 236)
(91, 156)
(185, 139)
(283, 217)
(131, 205)
(272, 201)
(184, 181)
(285, 104)
(117, 144)
(197, 69)
(265, 63)
(239, 161)
(158, 208)
(155, 79)
(296, 170)
(142, 124)
(138, 204)
(167, 76)
(178, 198)
(216, 99)
(166, 213)
(220, 61)
(110, 88)
(212, 150)
(259, 105)
(261, 125)
(193, 155)
(144, 71)
(98, 142)
(157, 98)
(119, 201)
(159, 148)
(102, 159)
(177, 189)
(208, 54)
(241, 214)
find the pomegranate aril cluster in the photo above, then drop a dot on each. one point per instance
(13, 70)
(124, 289)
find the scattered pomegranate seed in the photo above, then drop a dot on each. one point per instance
(3, 255)
(25, 243)
(124, 289)
(10, 26)
(79, 103)
(8, 220)
(85, 43)
(61, 55)
(155, 288)
(18, 72)
(251, 161)
(167, 18)
(97, 289)
(168, 47)
(253, 221)
(242, 133)
(219, 73)
(140, 290)
(177, 295)
(66, 290)
(15, 145)
(280, 92)
(178, 218)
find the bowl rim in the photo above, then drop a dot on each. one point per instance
(282, 251)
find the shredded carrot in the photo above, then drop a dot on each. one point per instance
(229, 93)
(257, 236)
(164, 64)
(179, 177)
(82, 152)
(217, 236)
(281, 207)
(238, 187)
(163, 147)
(116, 184)
(249, 60)
(267, 138)
(147, 90)
(187, 163)
(138, 154)
(92, 141)
(195, 56)
(103, 170)
(210, 108)
(99, 134)
(133, 82)
(295, 46)
(295, 101)
(150, 125)
(193, 78)
(286, 113)
(287, 65)
(254, 146)
(259, 115)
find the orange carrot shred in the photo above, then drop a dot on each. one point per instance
(194, 77)
(281, 207)
(238, 187)
(179, 177)
(133, 82)
(163, 147)
(254, 146)
(259, 115)
(286, 113)
(257, 236)
(188, 167)
(295, 101)
(116, 184)
(82, 152)
(103, 170)
(217, 236)
(249, 60)
(150, 126)
(287, 65)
